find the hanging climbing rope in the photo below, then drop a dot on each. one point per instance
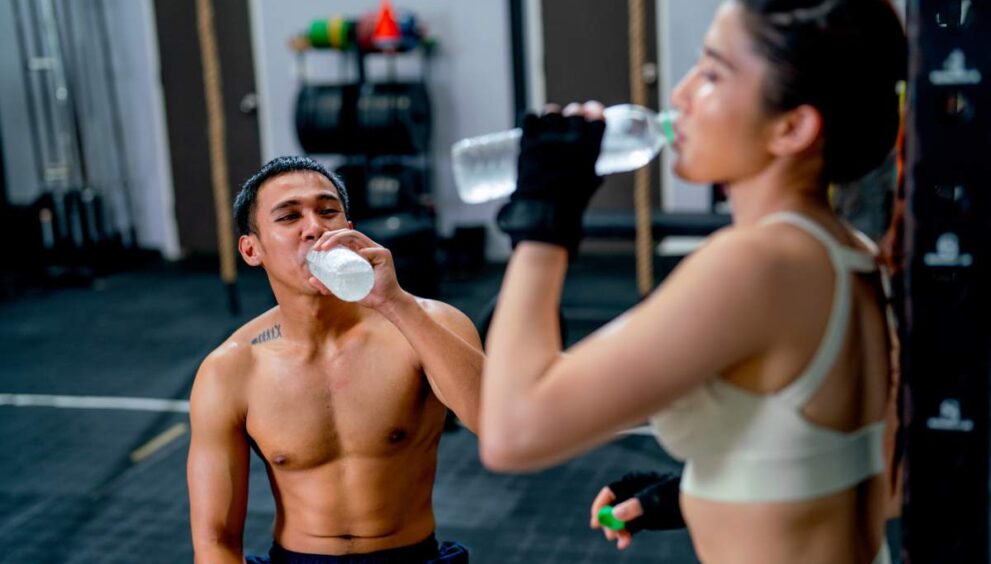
(218, 147)
(641, 186)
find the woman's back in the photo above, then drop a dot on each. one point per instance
(845, 525)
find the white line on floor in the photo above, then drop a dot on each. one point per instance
(145, 404)
(94, 402)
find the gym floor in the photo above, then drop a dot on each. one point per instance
(90, 481)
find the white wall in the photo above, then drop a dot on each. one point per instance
(139, 91)
(469, 80)
(681, 29)
(134, 44)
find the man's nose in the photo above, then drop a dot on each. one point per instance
(312, 227)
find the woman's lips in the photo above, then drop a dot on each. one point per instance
(679, 139)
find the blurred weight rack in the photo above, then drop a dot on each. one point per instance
(378, 131)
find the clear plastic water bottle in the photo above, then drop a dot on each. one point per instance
(485, 166)
(344, 272)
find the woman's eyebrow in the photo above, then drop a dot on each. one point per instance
(719, 57)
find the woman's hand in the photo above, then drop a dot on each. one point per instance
(556, 176)
(647, 500)
(625, 511)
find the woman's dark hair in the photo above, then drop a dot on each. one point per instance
(843, 57)
(247, 196)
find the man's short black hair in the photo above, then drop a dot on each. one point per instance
(244, 203)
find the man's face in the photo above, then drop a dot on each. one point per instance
(291, 212)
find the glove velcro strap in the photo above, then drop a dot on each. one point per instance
(659, 497)
(662, 505)
(537, 220)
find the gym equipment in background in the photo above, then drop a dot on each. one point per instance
(378, 131)
(81, 223)
(391, 118)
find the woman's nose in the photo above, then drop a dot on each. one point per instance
(680, 95)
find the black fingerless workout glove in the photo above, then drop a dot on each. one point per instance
(556, 180)
(658, 494)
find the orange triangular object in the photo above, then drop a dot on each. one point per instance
(386, 32)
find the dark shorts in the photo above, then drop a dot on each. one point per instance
(427, 551)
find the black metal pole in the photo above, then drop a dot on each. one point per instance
(947, 349)
(517, 23)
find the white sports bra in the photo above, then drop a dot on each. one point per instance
(742, 446)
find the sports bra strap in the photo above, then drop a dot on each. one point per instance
(860, 261)
(843, 260)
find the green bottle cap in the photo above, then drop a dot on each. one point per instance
(607, 520)
(667, 120)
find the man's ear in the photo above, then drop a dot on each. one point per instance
(795, 131)
(250, 249)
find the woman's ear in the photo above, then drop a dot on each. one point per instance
(795, 131)
(250, 249)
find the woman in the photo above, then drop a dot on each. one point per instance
(763, 360)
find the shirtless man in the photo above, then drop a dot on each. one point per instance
(344, 402)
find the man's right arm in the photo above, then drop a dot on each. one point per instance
(217, 467)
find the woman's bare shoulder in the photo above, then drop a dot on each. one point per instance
(742, 254)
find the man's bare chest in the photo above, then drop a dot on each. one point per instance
(303, 414)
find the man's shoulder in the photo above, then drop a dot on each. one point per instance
(236, 354)
(449, 316)
(262, 328)
(441, 311)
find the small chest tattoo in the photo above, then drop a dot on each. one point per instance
(269, 334)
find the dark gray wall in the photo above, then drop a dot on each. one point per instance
(586, 57)
(185, 102)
